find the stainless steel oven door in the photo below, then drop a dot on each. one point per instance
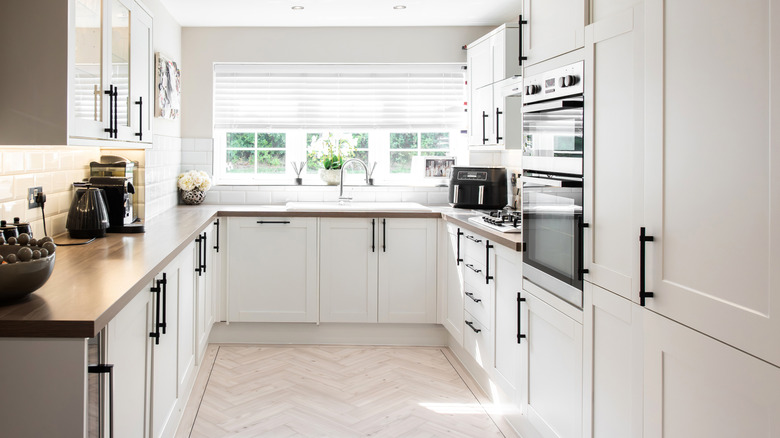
(552, 232)
(553, 136)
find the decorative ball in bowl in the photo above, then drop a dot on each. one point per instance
(25, 265)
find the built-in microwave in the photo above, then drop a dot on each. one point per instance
(552, 184)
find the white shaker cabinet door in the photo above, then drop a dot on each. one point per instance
(695, 386)
(348, 270)
(614, 151)
(407, 270)
(553, 28)
(453, 282)
(508, 283)
(128, 349)
(165, 365)
(712, 171)
(272, 269)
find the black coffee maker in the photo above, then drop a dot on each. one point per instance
(115, 176)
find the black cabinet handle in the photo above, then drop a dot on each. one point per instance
(384, 235)
(273, 222)
(471, 295)
(520, 57)
(471, 324)
(217, 245)
(111, 95)
(373, 235)
(156, 333)
(473, 239)
(164, 283)
(473, 268)
(458, 259)
(203, 241)
(498, 113)
(200, 255)
(582, 271)
(106, 368)
(140, 103)
(519, 310)
(488, 277)
(642, 292)
(484, 116)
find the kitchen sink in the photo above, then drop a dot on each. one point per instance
(357, 206)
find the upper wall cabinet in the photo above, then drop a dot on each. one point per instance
(77, 72)
(552, 28)
(495, 56)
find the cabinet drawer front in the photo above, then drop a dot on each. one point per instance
(476, 340)
(477, 302)
(473, 247)
(474, 274)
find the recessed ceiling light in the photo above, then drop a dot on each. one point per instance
(297, 8)
(399, 7)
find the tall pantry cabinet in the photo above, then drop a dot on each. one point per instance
(694, 168)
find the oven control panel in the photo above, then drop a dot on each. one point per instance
(554, 84)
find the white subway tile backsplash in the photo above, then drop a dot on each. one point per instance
(204, 144)
(420, 198)
(388, 196)
(438, 198)
(187, 144)
(307, 196)
(233, 197)
(212, 197)
(13, 162)
(282, 197)
(6, 188)
(45, 180)
(258, 197)
(33, 161)
(21, 184)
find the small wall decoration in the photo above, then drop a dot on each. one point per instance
(167, 88)
(439, 167)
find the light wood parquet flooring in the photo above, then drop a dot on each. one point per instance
(333, 391)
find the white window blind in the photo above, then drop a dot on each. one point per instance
(339, 96)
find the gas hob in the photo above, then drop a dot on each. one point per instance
(503, 221)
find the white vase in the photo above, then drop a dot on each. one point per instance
(331, 177)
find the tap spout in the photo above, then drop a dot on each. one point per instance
(341, 181)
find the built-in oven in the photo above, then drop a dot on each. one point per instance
(552, 185)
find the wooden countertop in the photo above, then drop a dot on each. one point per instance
(90, 284)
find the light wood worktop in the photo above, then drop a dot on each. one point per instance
(92, 283)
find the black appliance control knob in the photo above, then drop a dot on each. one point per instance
(532, 89)
(567, 81)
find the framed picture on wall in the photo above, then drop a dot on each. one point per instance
(167, 90)
(439, 167)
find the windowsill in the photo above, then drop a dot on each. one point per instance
(315, 182)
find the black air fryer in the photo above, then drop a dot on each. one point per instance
(478, 187)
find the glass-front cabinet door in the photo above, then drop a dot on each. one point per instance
(120, 65)
(87, 100)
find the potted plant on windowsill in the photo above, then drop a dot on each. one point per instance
(193, 185)
(332, 150)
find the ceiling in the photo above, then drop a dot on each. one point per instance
(279, 13)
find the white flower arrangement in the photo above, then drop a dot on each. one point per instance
(332, 149)
(194, 180)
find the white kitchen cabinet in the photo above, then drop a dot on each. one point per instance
(83, 49)
(695, 386)
(407, 270)
(478, 341)
(451, 281)
(711, 171)
(482, 117)
(205, 273)
(508, 287)
(613, 365)
(348, 269)
(552, 28)
(272, 269)
(187, 292)
(128, 348)
(614, 151)
(551, 365)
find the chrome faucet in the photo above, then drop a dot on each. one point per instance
(343, 198)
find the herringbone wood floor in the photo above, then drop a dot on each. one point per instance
(333, 391)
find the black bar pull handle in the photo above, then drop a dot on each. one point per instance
(106, 368)
(643, 237)
(484, 138)
(156, 333)
(473, 268)
(498, 113)
(217, 245)
(488, 277)
(273, 222)
(471, 324)
(164, 283)
(373, 235)
(458, 259)
(473, 239)
(384, 235)
(471, 295)
(520, 57)
(140, 103)
(110, 128)
(519, 325)
(204, 251)
(582, 271)
(200, 259)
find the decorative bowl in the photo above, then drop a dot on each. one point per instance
(22, 278)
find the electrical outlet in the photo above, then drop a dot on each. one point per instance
(32, 194)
